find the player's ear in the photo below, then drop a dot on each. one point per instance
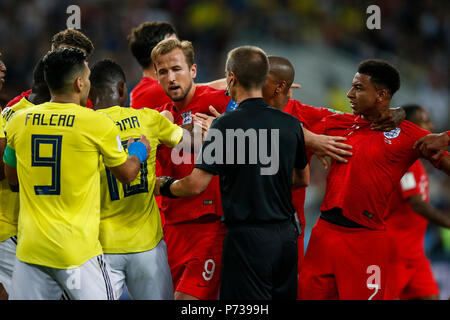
(194, 71)
(382, 95)
(281, 87)
(78, 84)
(121, 88)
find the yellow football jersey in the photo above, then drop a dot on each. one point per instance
(130, 219)
(58, 148)
(2, 126)
(9, 201)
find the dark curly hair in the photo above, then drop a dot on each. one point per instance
(72, 38)
(381, 73)
(145, 37)
(106, 72)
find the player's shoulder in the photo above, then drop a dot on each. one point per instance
(410, 129)
(7, 112)
(341, 118)
(202, 90)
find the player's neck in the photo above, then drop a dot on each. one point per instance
(69, 98)
(105, 103)
(180, 105)
(377, 113)
(150, 72)
(243, 94)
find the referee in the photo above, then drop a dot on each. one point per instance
(259, 154)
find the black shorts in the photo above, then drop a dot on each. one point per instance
(260, 262)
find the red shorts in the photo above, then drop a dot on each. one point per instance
(344, 263)
(411, 280)
(194, 250)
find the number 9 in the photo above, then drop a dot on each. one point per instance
(209, 271)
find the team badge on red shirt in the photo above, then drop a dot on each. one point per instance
(394, 133)
(187, 118)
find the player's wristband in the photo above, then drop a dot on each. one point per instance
(9, 157)
(139, 150)
(164, 188)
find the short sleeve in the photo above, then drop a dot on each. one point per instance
(169, 134)
(2, 127)
(301, 160)
(111, 146)
(409, 185)
(9, 131)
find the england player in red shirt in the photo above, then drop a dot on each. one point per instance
(69, 38)
(406, 224)
(347, 256)
(142, 39)
(193, 231)
(276, 92)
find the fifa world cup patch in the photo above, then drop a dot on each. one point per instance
(187, 117)
(394, 133)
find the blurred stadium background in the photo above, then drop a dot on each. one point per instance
(325, 40)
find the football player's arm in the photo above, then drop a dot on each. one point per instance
(428, 211)
(2, 150)
(444, 163)
(138, 152)
(389, 120)
(10, 163)
(433, 145)
(192, 138)
(300, 178)
(191, 185)
(323, 145)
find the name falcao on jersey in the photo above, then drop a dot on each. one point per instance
(67, 120)
(54, 119)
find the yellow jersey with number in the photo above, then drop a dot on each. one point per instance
(9, 201)
(130, 219)
(58, 148)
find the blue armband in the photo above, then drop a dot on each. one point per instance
(139, 150)
(9, 157)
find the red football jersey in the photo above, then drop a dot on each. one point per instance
(148, 94)
(404, 226)
(362, 187)
(308, 116)
(26, 94)
(190, 208)
(18, 98)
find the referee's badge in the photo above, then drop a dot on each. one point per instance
(394, 133)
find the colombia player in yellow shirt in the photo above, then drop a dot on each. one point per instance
(53, 152)
(130, 227)
(9, 200)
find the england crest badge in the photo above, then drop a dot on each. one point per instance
(394, 133)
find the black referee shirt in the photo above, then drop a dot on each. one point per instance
(254, 150)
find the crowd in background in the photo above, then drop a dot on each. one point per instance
(415, 33)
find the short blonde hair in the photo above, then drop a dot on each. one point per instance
(168, 45)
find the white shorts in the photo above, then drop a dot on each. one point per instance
(7, 259)
(146, 274)
(90, 281)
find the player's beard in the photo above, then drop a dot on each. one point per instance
(183, 94)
